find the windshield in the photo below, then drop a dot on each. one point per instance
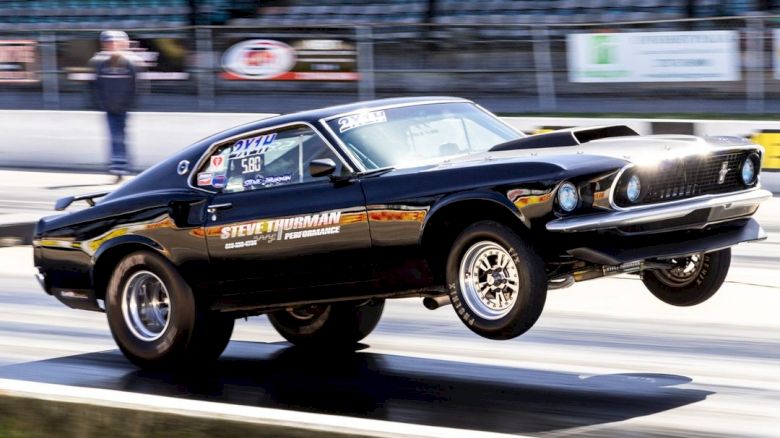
(411, 135)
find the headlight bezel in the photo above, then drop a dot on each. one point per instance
(619, 196)
(638, 197)
(568, 187)
(755, 161)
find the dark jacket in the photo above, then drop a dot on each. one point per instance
(115, 84)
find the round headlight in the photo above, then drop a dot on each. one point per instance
(748, 172)
(568, 198)
(633, 188)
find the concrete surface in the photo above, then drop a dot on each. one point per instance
(606, 358)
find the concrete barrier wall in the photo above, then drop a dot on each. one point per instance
(79, 139)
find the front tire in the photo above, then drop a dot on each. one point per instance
(497, 282)
(692, 280)
(155, 318)
(337, 325)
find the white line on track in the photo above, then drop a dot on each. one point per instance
(222, 411)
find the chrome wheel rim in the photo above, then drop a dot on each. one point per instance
(146, 306)
(489, 280)
(684, 271)
(305, 313)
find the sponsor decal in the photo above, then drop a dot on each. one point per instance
(266, 181)
(252, 164)
(204, 178)
(242, 244)
(219, 181)
(252, 146)
(353, 121)
(217, 162)
(296, 227)
(312, 233)
(277, 225)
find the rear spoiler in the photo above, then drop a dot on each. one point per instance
(63, 203)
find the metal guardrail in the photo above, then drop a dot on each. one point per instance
(508, 68)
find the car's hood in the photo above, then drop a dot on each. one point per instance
(639, 149)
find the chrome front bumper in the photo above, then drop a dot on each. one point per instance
(721, 208)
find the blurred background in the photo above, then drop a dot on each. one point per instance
(605, 360)
(519, 57)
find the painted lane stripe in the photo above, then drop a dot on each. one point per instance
(222, 411)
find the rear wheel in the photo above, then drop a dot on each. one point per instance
(497, 282)
(156, 320)
(691, 280)
(337, 325)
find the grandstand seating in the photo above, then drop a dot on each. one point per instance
(83, 14)
(486, 11)
(92, 14)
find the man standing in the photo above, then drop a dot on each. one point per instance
(114, 89)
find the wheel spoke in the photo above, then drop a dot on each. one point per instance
(493, 295)
(146, 306)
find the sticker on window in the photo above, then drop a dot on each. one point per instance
(252, 146)
(361, 119)
(204, 178)
(266, 181)
(218, 163)
(219, 181)
(252, 164)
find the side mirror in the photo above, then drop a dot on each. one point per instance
(322, 167)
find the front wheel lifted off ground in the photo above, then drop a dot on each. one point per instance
(691, 280)
(156, 319)
(497, 282)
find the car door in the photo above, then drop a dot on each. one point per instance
(272, 226)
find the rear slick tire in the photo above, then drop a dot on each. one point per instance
(156, 320)
(331, 326)
(497, 283)
(692, 281)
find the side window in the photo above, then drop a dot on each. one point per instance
(264, 160)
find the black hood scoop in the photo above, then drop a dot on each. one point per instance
(565, 137)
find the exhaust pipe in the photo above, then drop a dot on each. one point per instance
(433, 303)
(560, 282)
(625, 268)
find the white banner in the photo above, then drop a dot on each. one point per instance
(776, 52)
(654, 56)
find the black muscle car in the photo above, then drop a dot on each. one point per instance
(316, 218)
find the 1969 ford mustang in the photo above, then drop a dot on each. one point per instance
(316, 218)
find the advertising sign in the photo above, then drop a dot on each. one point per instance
(776, 52)
(654, 56)
(163, 58)
(18, 61)
(292, 60)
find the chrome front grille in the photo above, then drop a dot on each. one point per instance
(689, 177)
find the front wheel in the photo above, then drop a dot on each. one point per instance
(497, 282)
(337, 325)
(691, 280)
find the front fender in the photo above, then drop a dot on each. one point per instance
(493, 197)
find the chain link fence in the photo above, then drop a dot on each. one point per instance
(507, 68)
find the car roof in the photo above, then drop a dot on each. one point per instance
(314, 115)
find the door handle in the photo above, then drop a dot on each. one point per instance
(214, 207)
